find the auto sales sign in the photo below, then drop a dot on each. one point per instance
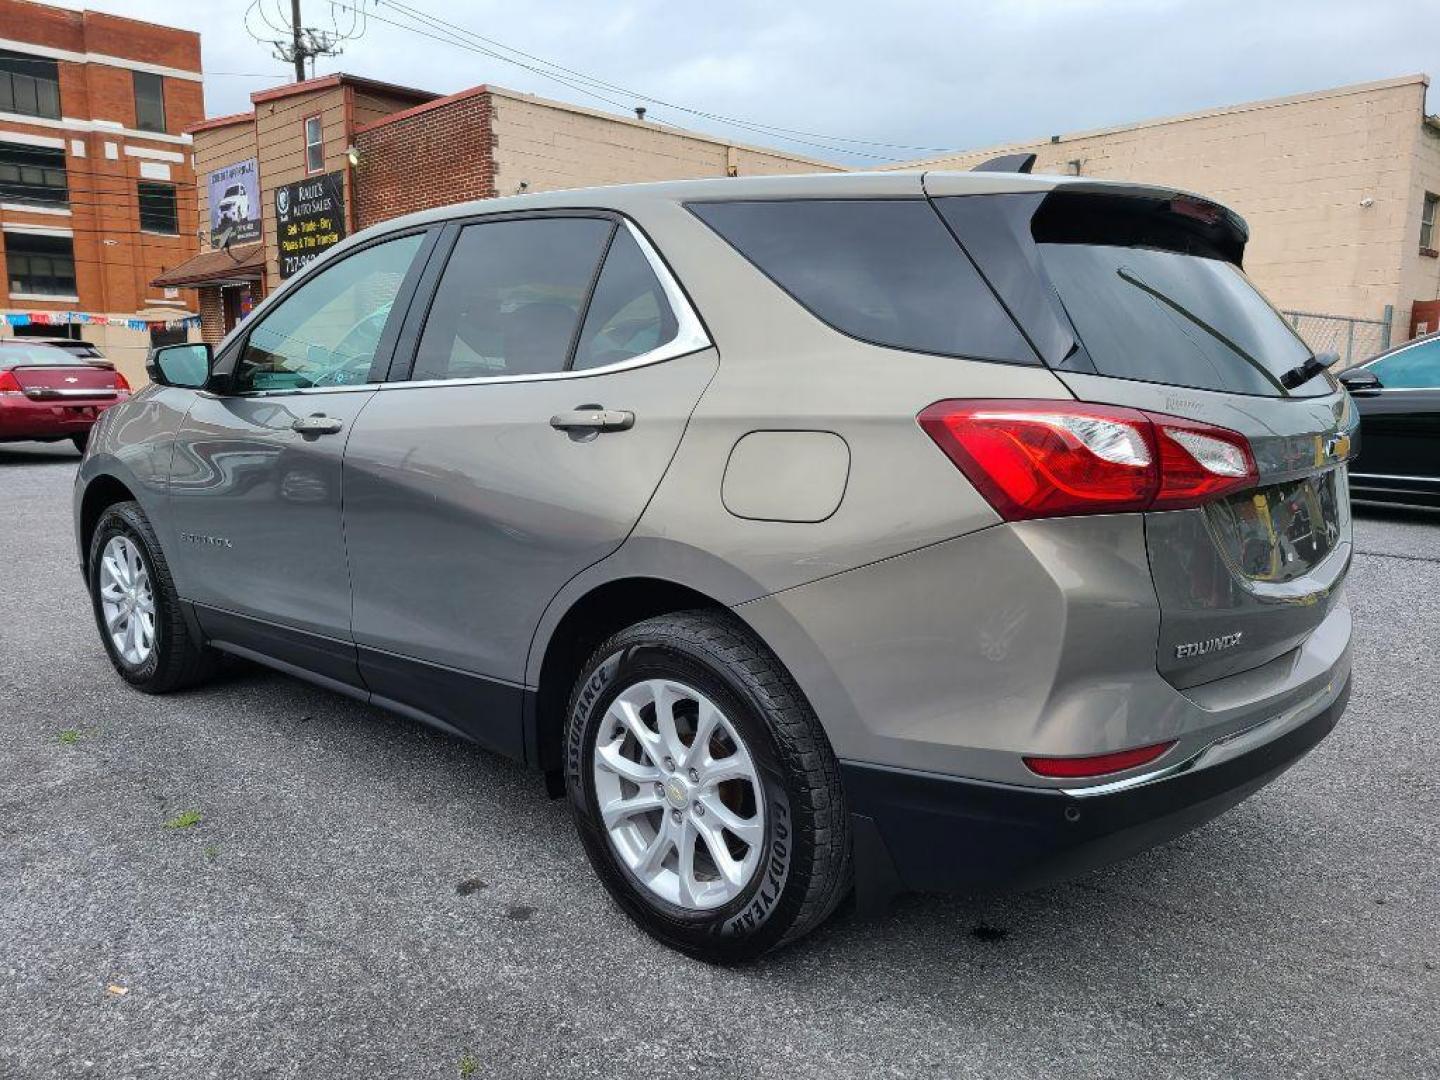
(309, 219)
(234, 192)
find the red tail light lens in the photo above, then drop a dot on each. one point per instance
(1033, 459)
(8, 383)
(121, 383)
(1074, 768)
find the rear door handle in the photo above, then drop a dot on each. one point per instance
(593, 418)
(316, 424)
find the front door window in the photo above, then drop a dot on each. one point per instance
(326, 332)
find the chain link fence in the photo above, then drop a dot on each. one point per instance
(1356, 340)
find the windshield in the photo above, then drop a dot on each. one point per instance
(1182, 319)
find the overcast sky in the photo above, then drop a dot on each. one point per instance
(958, 74)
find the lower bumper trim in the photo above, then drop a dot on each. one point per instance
(927, 833)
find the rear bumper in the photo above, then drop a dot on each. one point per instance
(22, 418)
(921, 832)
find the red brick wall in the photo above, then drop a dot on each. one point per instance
(212, 314)
(92, 31)
(115, 262)
(432, 155)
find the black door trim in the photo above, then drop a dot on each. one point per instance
(489, 712)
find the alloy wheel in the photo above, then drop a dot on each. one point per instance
(678, 794)
(127, 600)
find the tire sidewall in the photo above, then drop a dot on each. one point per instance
(757, 918)
(118, 521)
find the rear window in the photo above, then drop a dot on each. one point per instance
(1153, 294)
(13, 353)
(884, 271)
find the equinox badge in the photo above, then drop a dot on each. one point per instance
(1192, 649)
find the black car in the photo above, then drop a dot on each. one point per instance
(1398, 394)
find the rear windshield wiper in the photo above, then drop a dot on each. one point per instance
(1186, 313)
(1300, 374)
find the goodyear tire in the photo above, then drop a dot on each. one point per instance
(137, 609)
(723, 833)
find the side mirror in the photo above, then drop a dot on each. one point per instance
(1360, 381)
(186, 366)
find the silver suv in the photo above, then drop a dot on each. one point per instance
(811, 535)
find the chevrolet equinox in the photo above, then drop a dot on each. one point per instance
(813, 535)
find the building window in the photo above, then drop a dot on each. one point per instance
(314, 145)
(40, 265)
(149, 101)
(29, 85)
(158, 213)
(32, 176)
(1427, 222)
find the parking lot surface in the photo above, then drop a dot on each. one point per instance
(263, 879)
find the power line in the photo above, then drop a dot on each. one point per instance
(294, 41)
(770, 129)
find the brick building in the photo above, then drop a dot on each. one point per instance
(1340, 189)
(97, 189)
(387, 150)
(296, 137)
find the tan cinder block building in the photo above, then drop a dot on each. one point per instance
(489, 141)
(1337, 187)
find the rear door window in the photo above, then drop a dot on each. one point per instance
(628, 314)
(511, 298)
(886, 271)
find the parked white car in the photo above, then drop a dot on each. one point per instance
(234, 204)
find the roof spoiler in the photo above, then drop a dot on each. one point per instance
(1018, 163)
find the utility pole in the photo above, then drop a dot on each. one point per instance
(297, 47)
(303, 42)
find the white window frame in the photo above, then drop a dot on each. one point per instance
(318, 144)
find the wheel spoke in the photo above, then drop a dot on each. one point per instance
(731, 870)
(665, 701)
(117, 573)
(655, 852)
(618, 810)
(610, 758)
(629, 716)
(735, 766)
(751, 830)
(705, 725)
(690, 886)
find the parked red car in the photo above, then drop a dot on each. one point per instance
(48, 393)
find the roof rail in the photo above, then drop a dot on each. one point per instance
(1021, 163)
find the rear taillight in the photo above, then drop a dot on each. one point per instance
(121, 383)
(8, 383)
(1033, 459)
(1075, 768)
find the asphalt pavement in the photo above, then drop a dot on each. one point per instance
(263, 879)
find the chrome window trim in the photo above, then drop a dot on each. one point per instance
(690, 336)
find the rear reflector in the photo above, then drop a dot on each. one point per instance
(1034, 459)
(1072, 768)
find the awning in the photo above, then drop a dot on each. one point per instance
(218, 267)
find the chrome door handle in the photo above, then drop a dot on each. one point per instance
(593, 418)
(317, 424)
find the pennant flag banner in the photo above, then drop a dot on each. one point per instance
(61, 318)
